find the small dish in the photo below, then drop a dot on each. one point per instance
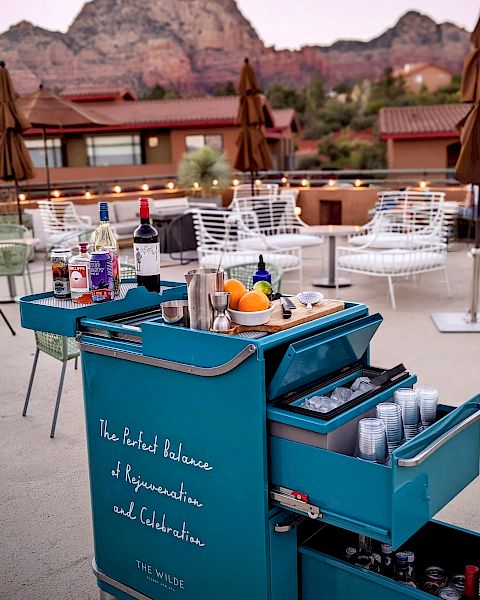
(258, 317)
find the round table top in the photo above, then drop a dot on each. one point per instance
(332, 230)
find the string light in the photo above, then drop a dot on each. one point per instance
(236, 182)
(298, 211)
(22, 197)
(423, 184)
(215, 182)
(88, 195)
(117, 189)
(56, 193)
(258, 182)
(196, 185)
(331, 182)
(170, 185)
(284, 180)
(304, 182)
(145, 187)
(358, 183)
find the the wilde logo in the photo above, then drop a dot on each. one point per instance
(155, 575)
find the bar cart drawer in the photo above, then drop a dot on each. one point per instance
(44, 312)
(386, 503)
(326, 576)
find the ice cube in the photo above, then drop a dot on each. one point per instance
(321, 404)
(341, 394)
(356, 394)
(359, 380)
(366, 387)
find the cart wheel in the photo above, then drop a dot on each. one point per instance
(313, 515)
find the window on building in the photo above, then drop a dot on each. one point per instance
(37, 152)
(105, 150)
(194, 142)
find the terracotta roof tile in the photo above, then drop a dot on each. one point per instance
(184, 110)
(217, 109)
(438, 118)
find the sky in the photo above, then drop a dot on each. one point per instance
(282, 23)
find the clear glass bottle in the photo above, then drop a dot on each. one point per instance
(79, 275)
(364, 557)
(387, 560)
(105, 240)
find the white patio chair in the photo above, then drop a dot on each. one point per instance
(62, 227)
(244, 190)
(398, 214)
(218, 233)
(414, 258)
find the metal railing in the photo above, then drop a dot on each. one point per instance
(385, 178)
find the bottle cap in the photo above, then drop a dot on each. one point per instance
(261, 263)
(103, 207)
(83, 247)
(387, 548)
(410, 556)
(144, 208)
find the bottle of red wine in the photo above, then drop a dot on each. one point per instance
(146, 250)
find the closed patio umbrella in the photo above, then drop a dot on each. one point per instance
(467, 171)
(252, 148)
(48, 111)
(15, 162)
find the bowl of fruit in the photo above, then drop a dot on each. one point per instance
(249, 307)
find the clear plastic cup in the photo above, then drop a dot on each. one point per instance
(372, 440)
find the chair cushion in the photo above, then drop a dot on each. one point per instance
(126, 228)
(282, 240)
(126, 210)
(230, 259)
(391, 262)
(389, 240)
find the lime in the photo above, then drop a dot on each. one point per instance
(263, 286)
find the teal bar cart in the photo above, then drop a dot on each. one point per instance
(208, 479)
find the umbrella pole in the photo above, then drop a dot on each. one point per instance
(45, 149)
(252, 187)
(476, 257)
(19, 208)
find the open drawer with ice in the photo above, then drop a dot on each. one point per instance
(318, 473)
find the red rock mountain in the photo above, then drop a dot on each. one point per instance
(193, 44)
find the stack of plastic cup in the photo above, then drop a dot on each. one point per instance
(407, 399)
(427, 402)
(391, 415)
(372, 440)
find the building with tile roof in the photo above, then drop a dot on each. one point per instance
(425, 136)
(424, 75)
(151, 136)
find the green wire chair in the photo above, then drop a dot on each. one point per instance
(14, 256)
(244, 273)
(63, 349)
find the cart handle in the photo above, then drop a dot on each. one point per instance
(116, 584)
(170, 364)
(443, 439)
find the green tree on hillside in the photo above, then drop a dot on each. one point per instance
(158, 92)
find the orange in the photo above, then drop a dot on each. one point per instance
(236, 289)
(253, 301)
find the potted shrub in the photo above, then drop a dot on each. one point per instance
(205, 174)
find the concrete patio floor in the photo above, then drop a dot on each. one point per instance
(46, 541)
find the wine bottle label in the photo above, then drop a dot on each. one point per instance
(147, 259)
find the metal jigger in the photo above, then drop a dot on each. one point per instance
(220, 302)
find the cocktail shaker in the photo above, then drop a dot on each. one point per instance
(201, 283)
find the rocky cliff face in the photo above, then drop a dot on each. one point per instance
(193, 44)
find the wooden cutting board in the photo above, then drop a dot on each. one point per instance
(299, 315)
